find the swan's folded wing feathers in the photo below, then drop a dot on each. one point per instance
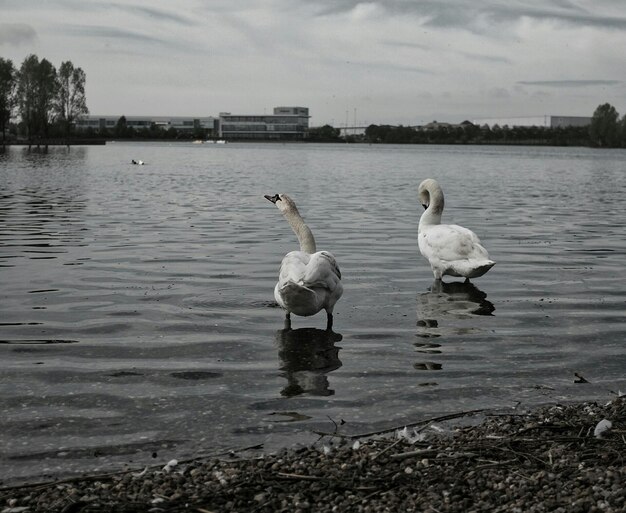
(322, 271)
(332, 262)
(452, 242)
(293, 267)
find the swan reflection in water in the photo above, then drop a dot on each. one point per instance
(456, 299)
(306, 356)
(440, 309)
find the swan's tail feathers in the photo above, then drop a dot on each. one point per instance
(482, 269)
(298, 298)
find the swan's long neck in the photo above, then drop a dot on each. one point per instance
(302, 231)
(432, 215)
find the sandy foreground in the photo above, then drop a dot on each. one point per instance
(561, 458)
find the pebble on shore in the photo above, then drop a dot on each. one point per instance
(550, 459)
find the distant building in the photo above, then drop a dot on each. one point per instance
(286, 123)
(181, 123)
(542, 121)
(434, 126)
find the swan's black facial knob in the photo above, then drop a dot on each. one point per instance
(425, 206)
(273, 199)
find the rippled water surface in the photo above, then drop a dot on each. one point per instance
(137, 318)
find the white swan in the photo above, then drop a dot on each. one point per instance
(308, 281)
(450, 249)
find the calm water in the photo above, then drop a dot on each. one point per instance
(137, 316)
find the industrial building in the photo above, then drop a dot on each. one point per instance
(181, 123)
(546, 121)
(286, 123)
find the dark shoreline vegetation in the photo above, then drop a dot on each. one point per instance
(552, 458)
(374, 134)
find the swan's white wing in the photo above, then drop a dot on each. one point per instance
(450, 242)
(454, 250)
(324, 277)
(293, 267)
(322, 271)
(290, 292)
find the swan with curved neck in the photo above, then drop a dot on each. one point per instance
(450, 249)
(309, 280)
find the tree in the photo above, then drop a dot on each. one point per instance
(604, 129)
(121, 127)
(26, 93)
(71, 103)
(324, 133)
(377, 133)
(36, 91)
(46, 95)
(622, 131)
(8, 81)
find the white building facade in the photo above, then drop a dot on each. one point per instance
(286, 123)
(181, 123)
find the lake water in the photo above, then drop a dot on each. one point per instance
(137, 319)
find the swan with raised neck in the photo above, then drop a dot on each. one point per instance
(288, 208)
(309, 280)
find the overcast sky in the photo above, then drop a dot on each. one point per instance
(387, 61)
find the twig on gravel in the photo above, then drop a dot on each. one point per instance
(410, 454)
(411, 424)
(524, 455)
(370, 495)
(302, 477)
(386, 449)
(495, 464)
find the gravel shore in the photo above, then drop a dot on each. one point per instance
(559, 458)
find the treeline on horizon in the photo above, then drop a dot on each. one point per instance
(606, 130)
(47, 102)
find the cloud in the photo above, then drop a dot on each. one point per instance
(571, 15)
(90, 8)
(499, 93)
(109, 32)
(473, 16)
(390, 59)
(124, 37)
(405, 44)
(486, 58)
(16, 34)
(156, 14)
(569, 83)
(383, 66)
